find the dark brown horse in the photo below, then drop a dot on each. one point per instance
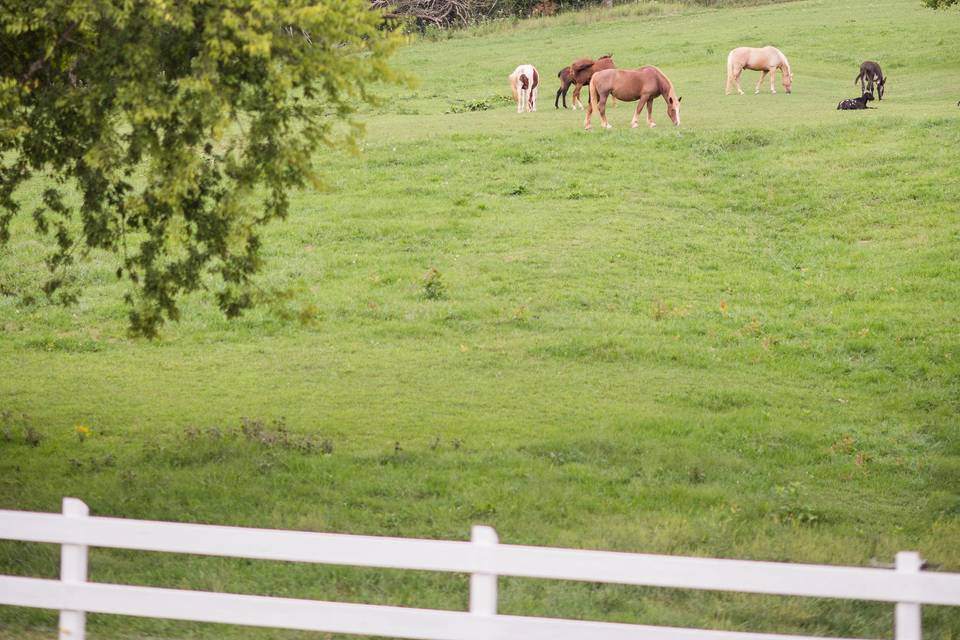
(870, 73)
(578, 74)
(644, 85)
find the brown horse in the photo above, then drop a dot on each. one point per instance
(578, 74)
(644, 84)
(765, 60)
(869, 73)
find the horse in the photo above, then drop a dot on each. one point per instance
(856, 103)
(765, 60)
(643, 84)
(524, 82)
(578, 74)
(869, 73)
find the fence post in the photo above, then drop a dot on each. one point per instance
(73, 570)
(483, 586)
(907, 614)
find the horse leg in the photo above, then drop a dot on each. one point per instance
(636, 114)
(556, 102)
(736, 79)
(533, 98)
(521, 99)
(773, 77)
(602, 108)
(650, 122)
(763, 74)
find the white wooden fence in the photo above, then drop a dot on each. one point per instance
(483, 558)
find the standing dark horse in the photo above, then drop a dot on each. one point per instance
(645, 84)
(578, 74)
(869, 73)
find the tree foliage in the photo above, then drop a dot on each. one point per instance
(940, 4)
(170, 131)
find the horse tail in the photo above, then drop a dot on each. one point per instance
(729, 70)
(859, 77)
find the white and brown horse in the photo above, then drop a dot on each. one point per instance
(643, 85)
(524, 83)
(765, 60)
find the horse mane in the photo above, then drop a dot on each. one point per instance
(786, 63)
(662, 80)
(580, 65)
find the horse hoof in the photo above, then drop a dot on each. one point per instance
(608, 126)
(652, 125)
(634, 125)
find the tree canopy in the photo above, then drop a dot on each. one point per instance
(170, 131)
(940, 4)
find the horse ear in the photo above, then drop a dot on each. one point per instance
(679, 99)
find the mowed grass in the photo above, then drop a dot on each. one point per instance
(739, 338)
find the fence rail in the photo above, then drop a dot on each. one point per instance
(483, 558)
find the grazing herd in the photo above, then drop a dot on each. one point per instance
(645, 84)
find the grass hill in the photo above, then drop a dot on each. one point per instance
(737, 338)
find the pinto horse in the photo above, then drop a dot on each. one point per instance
(524, 82)
(643, 84)
(765, 60)
(578, 74)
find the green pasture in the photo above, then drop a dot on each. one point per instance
(737, 338)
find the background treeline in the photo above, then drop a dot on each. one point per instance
(443, 13)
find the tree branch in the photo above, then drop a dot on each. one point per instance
(39, 63)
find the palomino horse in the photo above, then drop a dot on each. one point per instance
(524, 82)
(643, 84)
(765, 60)
(869, 73)
(578, 74)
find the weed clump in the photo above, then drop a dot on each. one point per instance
(276, 434)
(12, 425)
(434, 287)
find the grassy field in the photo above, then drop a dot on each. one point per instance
(739, 338)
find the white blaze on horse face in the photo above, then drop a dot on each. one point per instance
(673, 110)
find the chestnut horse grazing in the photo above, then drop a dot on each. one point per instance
(524, 82)
(765, 60)
(643, 85)
(578, 74)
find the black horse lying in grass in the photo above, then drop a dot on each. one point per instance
(856, 103)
